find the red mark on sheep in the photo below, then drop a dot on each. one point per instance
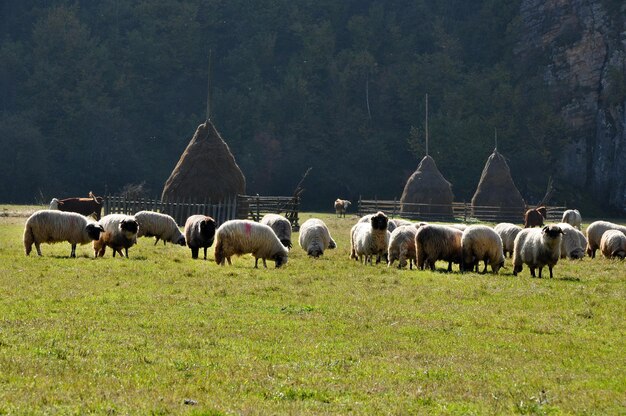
(248, 229)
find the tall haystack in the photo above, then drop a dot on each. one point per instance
(497, 189)
(427, 186)
(206, 169)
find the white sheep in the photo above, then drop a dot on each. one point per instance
(199, 233)
(120, 232)
(161, 226)
(51, 226)
(573, 242)
(537, 248)
(481, 243)
(371, 237)
(507, 233)
(437, 242)
(572, 217)
(281, 226)
(315, 237)
(594, 234)
(341, 206)
(613, 244)
(402, 246)
(237, 237)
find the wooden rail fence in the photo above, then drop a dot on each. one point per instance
(254, 207)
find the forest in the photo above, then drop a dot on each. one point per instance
(105, 95)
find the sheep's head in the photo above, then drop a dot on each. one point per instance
(129, 227)
(379, 221)
(315, 250)
(94, 230)
(552, 231)
(280, 260)
(181, 241)
(54, 204)
(577, 253)
(496, 267)
(207, 228)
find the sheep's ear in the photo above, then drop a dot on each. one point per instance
(544, 229)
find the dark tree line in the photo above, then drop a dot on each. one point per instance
(100, 95)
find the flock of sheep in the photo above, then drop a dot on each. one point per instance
(373, 236)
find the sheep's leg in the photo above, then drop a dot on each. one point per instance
(73, 253)
(485, 268)
(449, 267)
(540, 269)
(38, 247)
(229, 262)
(156, 241)
(256, 262)
(431, 264)
(410, 264)
(532, 271)
(264, 264)
(126, 251)
(550, 267)
(205, 252)
(164, 242)
(194, 252)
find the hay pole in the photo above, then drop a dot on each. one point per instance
(426, 124)
(208, 89)
(495, 132)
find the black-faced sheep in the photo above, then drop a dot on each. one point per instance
(534, 217)
(437, 242)
(594, 234)
(49, 226)
(84, 206)
(315, 237)
(161, 226)
(120, 232)
(507, 233)
(613, 244)
(369, 238)
(281, 226)
(237, 237)
(199, 233)
(481, 243)
(341, 206)
(573, 242)
(537, 248)
(402, 246)
(573, 218)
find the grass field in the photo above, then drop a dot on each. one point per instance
(160, 333)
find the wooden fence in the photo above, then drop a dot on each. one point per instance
(459, 211)
(254, 207)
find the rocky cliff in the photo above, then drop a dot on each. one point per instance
(580, 48)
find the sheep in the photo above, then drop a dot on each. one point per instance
(534, 217)
(437, 242)
(161, 226)
(573, 242)
(402, 246)
(572, 217)
(341, 206)
(236, 237)
(613, 244)
(199, 232)
(397, 222)
(594, 234)
(120, 232)
(537, 248)
(480, 242)
(461, 227)
(281, 226)
(368, 239)
(51, 226)
(315, 237)
(85, 206)
(507, 233)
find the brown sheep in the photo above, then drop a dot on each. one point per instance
(534, 217)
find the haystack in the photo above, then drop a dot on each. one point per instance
(207, 170)
(427, 186)
(497, 189)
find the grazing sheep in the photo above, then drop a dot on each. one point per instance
(84, 206)
(534, 217)
(573, 242)
(402, 246)
(281, 226)
(613, 244)
(397, 222)
(480, 242)
(120, 232)
(572, 217)
(507, 233)
(199, 232)
(368, 239)
(237, 237)
(537, 248)
(594, 234)
(50, 226)
(437, 242)
(461, 227)
(341, 206)
(161, 226)
(315, 237)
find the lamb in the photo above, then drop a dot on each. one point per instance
(437, 242)
(594, 234)
(281, 226)
(315, 237)
(573, 242)
(537, 248)
(507, 233)
(341, 206)
(402, 246)
(50, 226)
(199, 232)
(84, 206)
(480, 242)
(613, 244)
(534, 217)
(368, 239)
(161, 226)
(120, 232)
(236, 237)
(572, 217)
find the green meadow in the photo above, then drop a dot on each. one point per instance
(160, 333)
